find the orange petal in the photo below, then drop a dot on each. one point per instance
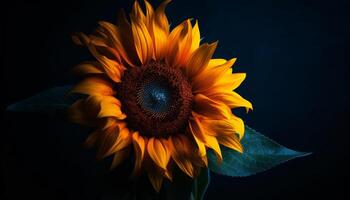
(159, 153)
(93, 86)
(210, 108)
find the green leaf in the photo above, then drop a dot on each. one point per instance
(260, 153)
(200, 184)
(49, 101)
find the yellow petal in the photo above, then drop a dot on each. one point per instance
(196, 37)
(202, 152)
(231, 99)
(109, 107)
(209, 76)
(196, 128)
(210, 108)
(107, 122)
(103, 45)
(160, 17)
(137, 12)
(160, 31)
(219, 127)
(112, 68)
(84, 111)
(80, 39)
(185, 44)
(99, 39)
(126, 37)
(93, 86)
(200, 59)
(230, 81)
(179, 46)
(77, 113)
(213, 143)
(181, 152)
(119, 157)
(123, 140)
(88, 68)
(106, 141)
(156, 180)
(139, 148)
(201, 133)
(238, 125)
(149, 15)
(158, 152)
(232, 125)
(169, 173)
(142, 40)
(91, 139)
(216, 62)
(113, 33)
(160, 42)
(231, 141)
(173, 46)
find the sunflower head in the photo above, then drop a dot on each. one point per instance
(157, 94)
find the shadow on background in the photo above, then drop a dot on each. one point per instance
(295, 56)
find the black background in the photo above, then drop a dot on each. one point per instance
(295, 54)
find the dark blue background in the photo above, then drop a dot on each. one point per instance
(295, 54)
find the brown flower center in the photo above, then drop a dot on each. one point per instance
(156, 98)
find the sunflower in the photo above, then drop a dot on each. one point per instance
(158, 94)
